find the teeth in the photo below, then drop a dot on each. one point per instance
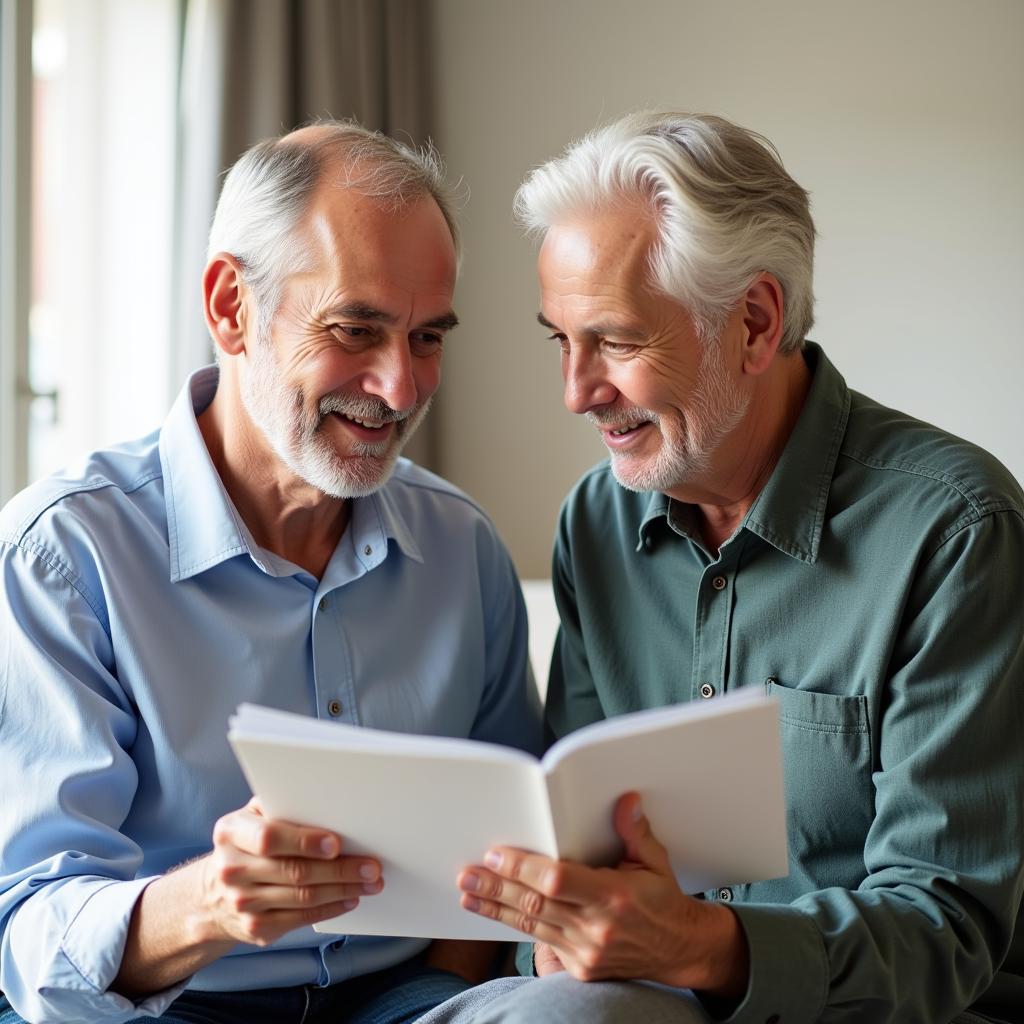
(624, 430)
(364, 423)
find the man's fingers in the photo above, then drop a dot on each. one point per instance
(261, 929)
(533, 905)
(562, 880)
(262, 899)
(546, 960)
(242, 871)
(253, 833)
(514, 917)
(642, 847)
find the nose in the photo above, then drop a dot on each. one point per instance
(586, 385)
(392, 377)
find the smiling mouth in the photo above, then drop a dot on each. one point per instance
(365, 424)
(369, 431)
(623, 431)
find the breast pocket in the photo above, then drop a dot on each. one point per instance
(826, 751)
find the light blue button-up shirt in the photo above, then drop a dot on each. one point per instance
(137, 613)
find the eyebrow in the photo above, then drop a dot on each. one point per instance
(599, 330)
(364, 311)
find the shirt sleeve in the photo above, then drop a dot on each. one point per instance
(922, 936)
(572, 700)
(67, 874)
(509, 711)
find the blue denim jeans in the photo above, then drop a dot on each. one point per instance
(398, 995)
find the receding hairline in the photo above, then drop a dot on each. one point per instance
(375, 166)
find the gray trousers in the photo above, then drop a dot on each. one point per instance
(560, 999)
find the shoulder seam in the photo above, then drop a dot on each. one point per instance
(979, 506)
(964, 522)
(448, 490)
(56, 564)
(81, 487)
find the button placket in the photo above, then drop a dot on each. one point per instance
(332, 691)
(713, 623)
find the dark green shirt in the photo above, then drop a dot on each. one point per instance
(875, 587)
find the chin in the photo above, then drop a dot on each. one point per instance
(352, 477)
(656, 474)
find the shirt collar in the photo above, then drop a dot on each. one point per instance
(657, 510)
(203, 525)
(203, 528)
(378, 514)
(790, 510)
(789, 513)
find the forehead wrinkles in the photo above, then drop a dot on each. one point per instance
(595, 259)
(400, 261)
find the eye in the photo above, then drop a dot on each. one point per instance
(563, 341)
(350, 330)
(426, 343)
(617, 348)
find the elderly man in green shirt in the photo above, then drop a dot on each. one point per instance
(759, 524)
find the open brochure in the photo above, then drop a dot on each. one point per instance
(709, 774)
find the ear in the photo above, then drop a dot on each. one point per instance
(762, 310)
(224, 304)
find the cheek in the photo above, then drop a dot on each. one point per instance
(639, 387)
(427, 374)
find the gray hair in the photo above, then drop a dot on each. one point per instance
(267, 191)
(726, 210)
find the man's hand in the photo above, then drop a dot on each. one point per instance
(545, 960)
(263, 879)
(632, 921)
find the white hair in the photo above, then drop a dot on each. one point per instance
(725, 209)
(268, 189)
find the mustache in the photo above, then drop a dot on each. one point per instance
(628, 417)
(362, 407)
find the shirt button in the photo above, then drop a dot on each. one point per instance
(725, 895)
(718, 583)
(323, 604)
(368, 550)
(707, 691)
(334, 708)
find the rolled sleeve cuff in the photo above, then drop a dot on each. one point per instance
(789, 974)
(93, 946)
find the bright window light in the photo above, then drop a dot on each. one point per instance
(104, 79)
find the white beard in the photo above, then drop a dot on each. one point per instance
(687, 444)
(295, 436)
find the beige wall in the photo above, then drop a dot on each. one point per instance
(905, 119)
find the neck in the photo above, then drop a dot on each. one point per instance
(283, 513)
(747, 457)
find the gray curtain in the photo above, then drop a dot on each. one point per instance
(255, 68)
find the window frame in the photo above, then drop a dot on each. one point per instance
(15, 239)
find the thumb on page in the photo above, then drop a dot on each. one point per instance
(635, 831)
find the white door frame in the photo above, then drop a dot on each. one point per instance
(15, 230)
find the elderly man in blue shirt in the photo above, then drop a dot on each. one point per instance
(269, 545)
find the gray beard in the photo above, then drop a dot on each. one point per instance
(296, 437)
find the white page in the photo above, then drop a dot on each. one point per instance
(434, 805)
(710, 776)
(256, 720)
